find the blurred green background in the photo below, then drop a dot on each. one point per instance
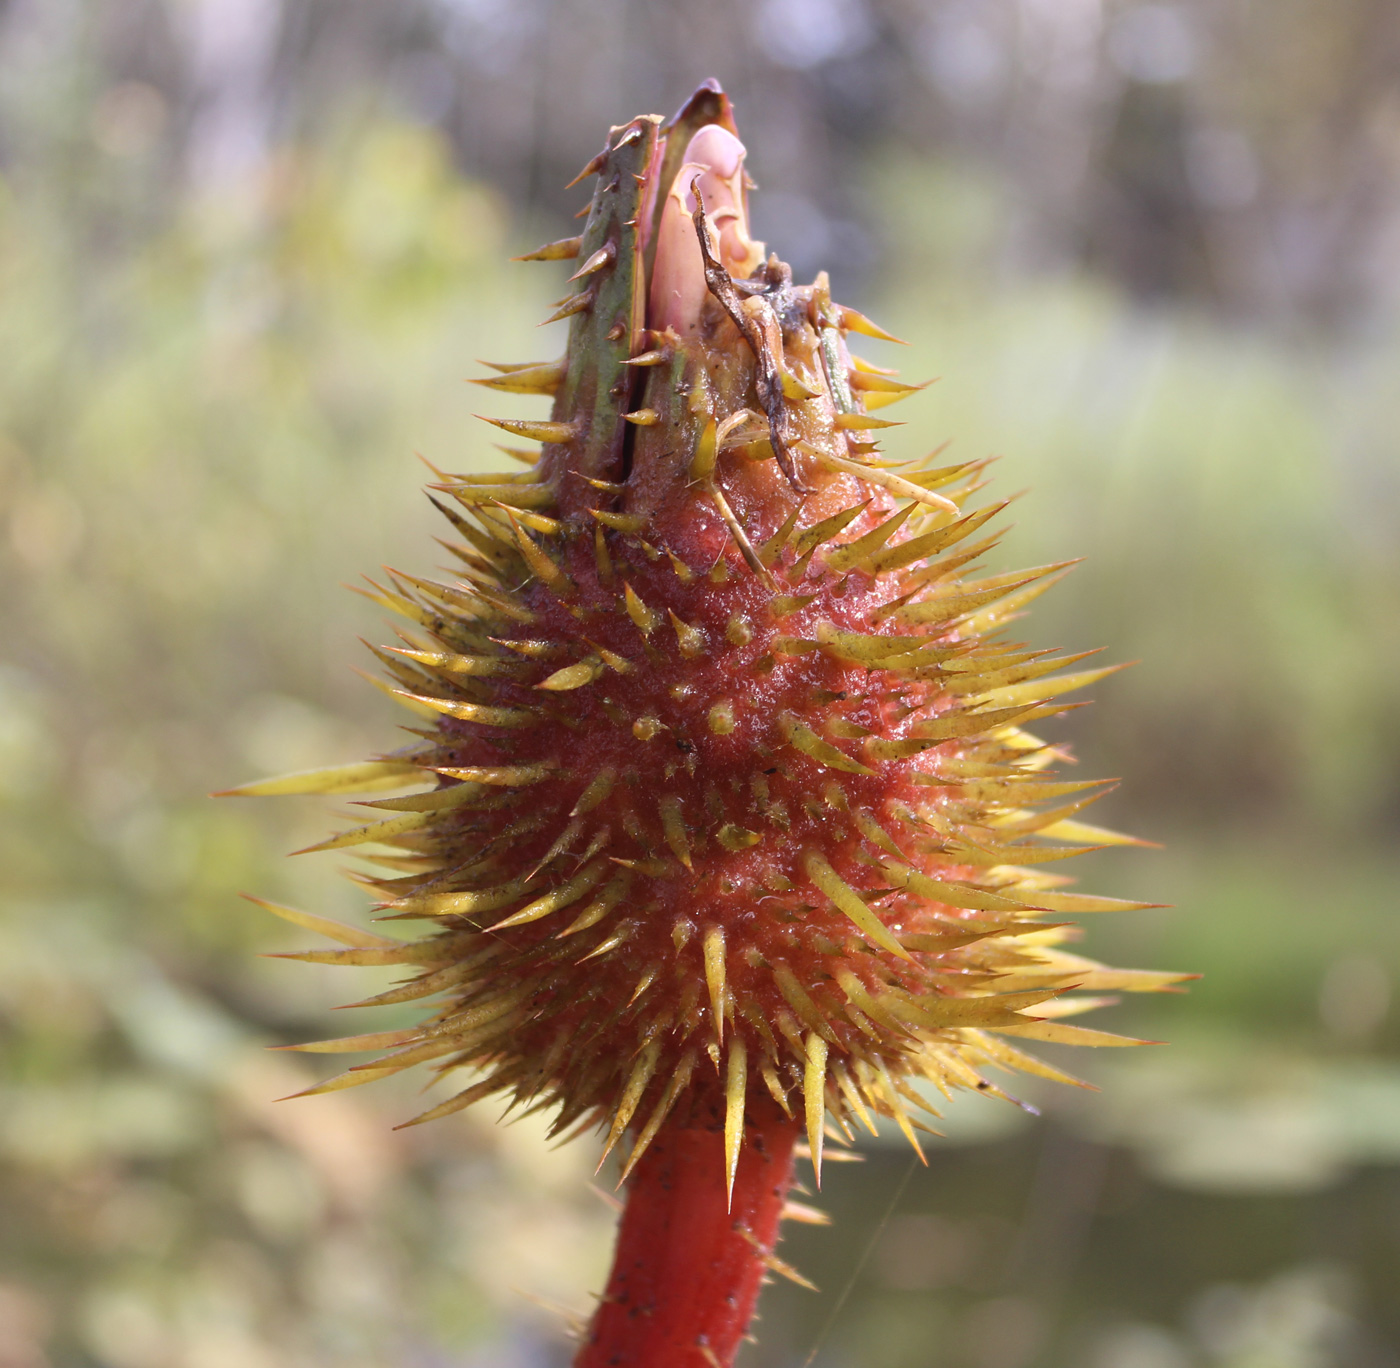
(248, 251)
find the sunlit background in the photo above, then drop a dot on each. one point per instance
(249, 250)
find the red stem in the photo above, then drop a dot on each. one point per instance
(686, 1272)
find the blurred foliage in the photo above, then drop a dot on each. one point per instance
(212, 394)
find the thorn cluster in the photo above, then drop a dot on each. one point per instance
(733, 799)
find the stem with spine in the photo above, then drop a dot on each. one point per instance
(688, 1264)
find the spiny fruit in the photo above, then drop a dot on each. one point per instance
(734, 823)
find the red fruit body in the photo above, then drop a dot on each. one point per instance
(733, 816)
